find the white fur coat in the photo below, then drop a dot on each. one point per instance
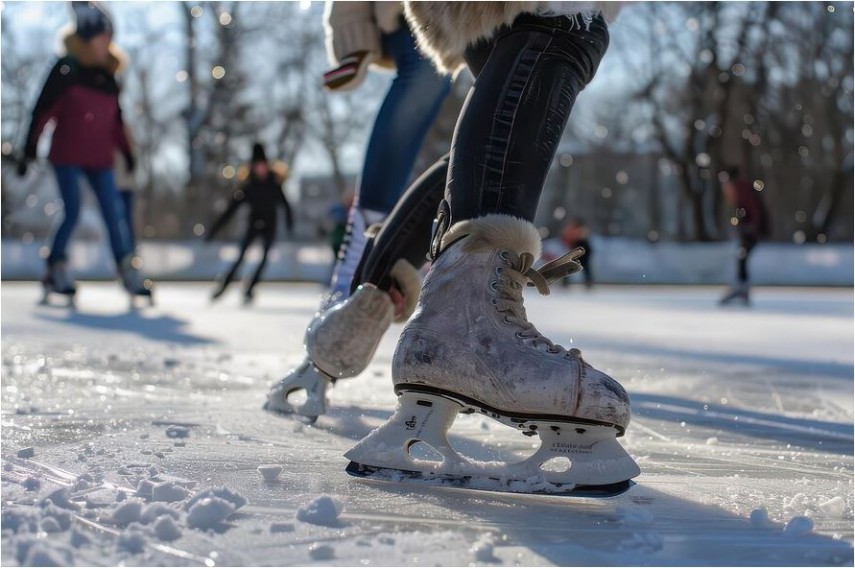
(445, 29)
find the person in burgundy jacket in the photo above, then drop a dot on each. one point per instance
(81, 98)
(751, 220)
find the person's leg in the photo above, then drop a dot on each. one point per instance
(343, 340)
(112, 211)
(127, 198)
(268, 236)
(68, 181)
(248, 237)
(468, 345)
(408, 110)
(57, 278)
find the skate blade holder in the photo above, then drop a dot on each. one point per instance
(304, 395)
(574, 458)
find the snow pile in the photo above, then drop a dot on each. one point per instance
(208, 509)
(128, 512)
(175, 432)
(799, 526)
(836, 506)
(322, 511)
(166, 529)
(26, 453)
(483, 549)
(759, 517)
(321, 551)
(169, 492)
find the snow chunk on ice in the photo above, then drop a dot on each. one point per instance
(759, 517)
(209, 512)
(49, 525)
(321, 551)
(220, 492)
(483, 549)
(26, 453)
(61, 498)
(32, 484)
(155, 510)
(270, 471)
(132, 540)
(177, 432)
(20, 519)
(41, 554)
(128, 512)
(712, 441)
(836, 506)
(798, 501)
(78, 539)
(799, 526)
(169, 492)
(634, 516)
(322, 511)
(165, 528)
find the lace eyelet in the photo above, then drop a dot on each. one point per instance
(504, 255)
(494, 301)
(494, 285)
(499, 270)
(507, 321)
(519, 335)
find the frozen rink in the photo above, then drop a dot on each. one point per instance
(131, 414)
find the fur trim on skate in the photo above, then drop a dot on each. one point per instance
(409, 282)
(495, 232)
(445, 29)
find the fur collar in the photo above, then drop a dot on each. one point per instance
(79, 49)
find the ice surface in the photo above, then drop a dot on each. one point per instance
(735, 411)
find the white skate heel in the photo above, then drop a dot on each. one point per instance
(307, 380)
(342, 340)
(576, 457)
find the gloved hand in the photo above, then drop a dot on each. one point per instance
(21, 168)
(130, 162)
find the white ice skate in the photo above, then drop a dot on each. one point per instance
(340, 342)
(470, 348)
(134, 283)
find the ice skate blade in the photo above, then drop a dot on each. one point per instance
(308, 378)
(572, 453)
(472, 483)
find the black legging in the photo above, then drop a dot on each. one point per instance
(267, 233)
(527, 79)
(746, 244)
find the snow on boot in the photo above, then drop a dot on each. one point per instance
(132, 279)
(58, 281)
(342, 338)
(470, 348)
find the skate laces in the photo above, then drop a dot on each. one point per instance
(521, 273)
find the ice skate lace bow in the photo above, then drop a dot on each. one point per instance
(520, 272)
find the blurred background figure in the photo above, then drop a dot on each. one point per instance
(338, 222)
(81, 98)
(260, 188)
(751, 222)
(575, 234)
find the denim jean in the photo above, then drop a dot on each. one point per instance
(127, 199)
(112, 209)
(408, 111)
(528, 76)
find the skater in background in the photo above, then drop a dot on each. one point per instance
(469, 346)
(261, 189)
(575, 234)
(81, 98)
(751, 221)
(361, 34)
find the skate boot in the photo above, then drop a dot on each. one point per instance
(341, 341)
(133, 281)
(738, 292)
(469, 348)
(58, 281)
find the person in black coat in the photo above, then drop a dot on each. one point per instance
(262, 191)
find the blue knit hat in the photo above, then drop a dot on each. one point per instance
(91, 20)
